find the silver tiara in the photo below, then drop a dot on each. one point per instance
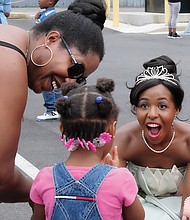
(158, 72)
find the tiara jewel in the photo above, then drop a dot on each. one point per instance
(158, 72)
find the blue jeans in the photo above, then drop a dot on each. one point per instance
(68, 208)
(49, 100)
(3, 19)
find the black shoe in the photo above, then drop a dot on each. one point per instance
(176, 36)
(170, 35)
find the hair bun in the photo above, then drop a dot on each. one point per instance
(67, 86)
(162, 60)
(92, 9)
(105, 85)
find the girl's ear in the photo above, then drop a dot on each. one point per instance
(112, 128)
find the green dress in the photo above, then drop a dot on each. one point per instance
(159, 191)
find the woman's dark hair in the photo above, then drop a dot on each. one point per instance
(86, 111)
(80, 25)
(175, 88)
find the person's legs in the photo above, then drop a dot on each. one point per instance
(58, 93)
(170, 29)
(49, 103)
(175, 9)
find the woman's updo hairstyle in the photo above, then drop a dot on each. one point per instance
(173, 84)
(81, 25)
(92, 9)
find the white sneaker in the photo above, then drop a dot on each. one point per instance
(48, 116)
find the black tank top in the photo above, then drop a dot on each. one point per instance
(5, 44)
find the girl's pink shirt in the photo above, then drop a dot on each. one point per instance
(117, 190)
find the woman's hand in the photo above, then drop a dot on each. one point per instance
(112, 158)
(186, 209)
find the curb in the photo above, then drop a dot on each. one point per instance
(124, 26)
(18, 15)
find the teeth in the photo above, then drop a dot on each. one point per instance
(54, 85)
(153, 125)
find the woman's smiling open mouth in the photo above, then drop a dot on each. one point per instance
(153, 129)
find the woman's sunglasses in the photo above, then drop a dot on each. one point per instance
(76, 70)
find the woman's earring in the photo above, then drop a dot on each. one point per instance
(51, 55)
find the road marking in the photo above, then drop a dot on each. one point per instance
(26, 166)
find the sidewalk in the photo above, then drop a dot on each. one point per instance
(132, 20)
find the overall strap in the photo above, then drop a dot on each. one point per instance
(64, 178)
(96, 176)
(92, 179)
(6, 44)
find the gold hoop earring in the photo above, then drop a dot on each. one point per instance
(41, 65)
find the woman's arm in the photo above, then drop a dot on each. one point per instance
(186, 193)
(14, 186)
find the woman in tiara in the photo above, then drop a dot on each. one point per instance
(156, 147)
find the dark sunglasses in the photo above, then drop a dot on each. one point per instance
(76, 70)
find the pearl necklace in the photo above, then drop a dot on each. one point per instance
(157, 151)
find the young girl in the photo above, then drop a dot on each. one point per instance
(82, 187)
(156, 147)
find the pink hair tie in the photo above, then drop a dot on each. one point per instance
(81, 143)
(73, 144)
(91, 146)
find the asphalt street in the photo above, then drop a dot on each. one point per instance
(124, 55)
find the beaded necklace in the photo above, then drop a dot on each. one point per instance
(158, 151)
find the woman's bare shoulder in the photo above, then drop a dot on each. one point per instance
(129, 127)
(182, 127)
(20, 35)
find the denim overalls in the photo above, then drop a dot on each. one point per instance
(76, 200)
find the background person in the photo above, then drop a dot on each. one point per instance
(49, 97)
(5, 10)
(68, 46)
(82, 187)
(156, 147)
(175, 6)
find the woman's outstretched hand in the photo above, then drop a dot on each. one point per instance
(112, 157)
(186, 209)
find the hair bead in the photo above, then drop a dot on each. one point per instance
(65, 97)
(98, 99)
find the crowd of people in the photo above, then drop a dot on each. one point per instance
(139, 171)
